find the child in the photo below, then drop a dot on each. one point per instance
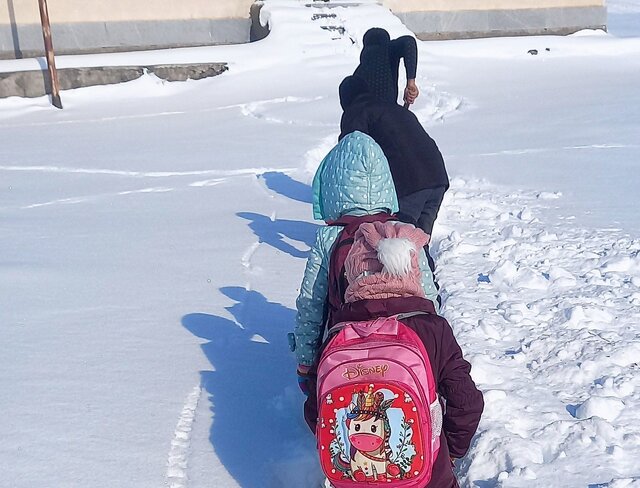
(415, 161)
(354, 179)
(367, 298)
(380, 63)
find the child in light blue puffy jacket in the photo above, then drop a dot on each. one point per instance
(353, 179)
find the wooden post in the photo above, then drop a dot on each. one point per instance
(48, 47)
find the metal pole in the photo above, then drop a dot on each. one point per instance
(48, 47)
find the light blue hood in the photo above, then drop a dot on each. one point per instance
(354, 178)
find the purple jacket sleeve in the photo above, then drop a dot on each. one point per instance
(464, 403)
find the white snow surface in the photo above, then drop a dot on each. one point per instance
(153, 236)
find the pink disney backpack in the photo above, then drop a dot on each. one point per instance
(379, 417)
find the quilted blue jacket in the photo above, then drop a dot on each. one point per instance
(353, 179)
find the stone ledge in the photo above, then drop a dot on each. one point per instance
(33, 83)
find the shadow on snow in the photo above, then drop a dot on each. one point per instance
(286, 186)
(274, 232)
(257, 429)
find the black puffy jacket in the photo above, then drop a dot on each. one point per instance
(414, 158)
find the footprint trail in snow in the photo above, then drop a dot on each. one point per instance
(547, 314)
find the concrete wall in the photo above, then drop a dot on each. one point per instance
(458, 5)
(460, 19)
(63, 11)
(114, 25)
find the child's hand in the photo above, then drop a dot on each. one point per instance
(303, 378)
(411, 92)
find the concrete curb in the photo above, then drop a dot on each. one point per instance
(35, 83)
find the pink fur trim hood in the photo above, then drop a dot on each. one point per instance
(383, 262)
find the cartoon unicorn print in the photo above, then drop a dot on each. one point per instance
(369, 433)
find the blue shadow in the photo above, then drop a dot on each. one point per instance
(485, 484)
(273, 232)
(286, 186)
(256, 405)
(572, 410)
(483, 278)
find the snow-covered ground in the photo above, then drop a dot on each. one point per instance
(153, 236)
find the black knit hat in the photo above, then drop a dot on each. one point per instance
(350, 88)
(375, 37)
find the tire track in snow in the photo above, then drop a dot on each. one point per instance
(248, 254)
(226, 175)
(259, 110)
(177, 461)
(73, 200)
(539, 150)
(146, 174)
(189, 113)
